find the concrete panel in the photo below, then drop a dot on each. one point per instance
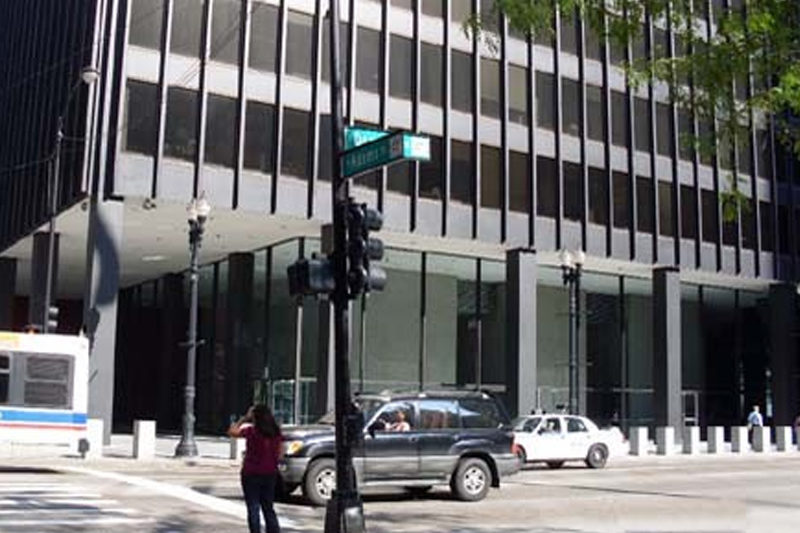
(783, 438)
(144, 439)
(620, 244)
(429, 217)
(716, 439)
(762, 439)
(667, 374)
(640, 443)
(255, 191)
(739, 441)
(521, 340)
(489, 225)
(665, 440)
(666, 251)
(459, 223)
(596, 240)
(691, 440)
(177, 181)
(644, 248)
(545, 233)
(517, 230)
(218, 186)
(134, 176)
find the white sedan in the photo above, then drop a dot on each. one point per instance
(554, 439)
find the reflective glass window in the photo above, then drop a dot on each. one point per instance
(644, 204)
(688, 213)
(622, 210)
(665, 220)
(461, 86)
(491, 180)
(147, 17)
(401, 65)
(187, 27)
(263, 37)
(642, 124)
(431, 176)
(141, 120)
(545, 112)
(519, 182)
(490, 88)
(181, 130)
(462, 172)
(518, 95)
(368, 60)
(431, 74)
(299, 39)
(708, 201)
(226, 28)
(619, 119)
(546, 187)
(220, 130)
(598, 196)
(296, 129)
(570, 107)
(595, 121)
(259, 137)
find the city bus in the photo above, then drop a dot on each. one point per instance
(43, 388)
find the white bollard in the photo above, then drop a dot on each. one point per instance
(144, 439)
(665, 440)
(739, 442)
(94, 438)
(639, 440)
(783, 438)
(237, 448)
(762, 441)
(691, 440)
(716, 439)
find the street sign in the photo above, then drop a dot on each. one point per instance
(356, 136)
(385, 150)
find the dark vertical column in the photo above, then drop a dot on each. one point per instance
(239, 341)
(8, 279)
(521, 378)
(103, 247)
(324, 385)
(37, 304)
(667, 347)
(783, 352)
(172, 353)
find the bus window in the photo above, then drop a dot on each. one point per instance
(5, 370)
(47, 381)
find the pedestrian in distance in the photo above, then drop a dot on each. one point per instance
(754, 420)
(259, 475)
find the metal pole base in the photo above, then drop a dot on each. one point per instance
(344, 515)
(186, 448)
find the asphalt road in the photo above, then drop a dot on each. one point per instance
(632, 495)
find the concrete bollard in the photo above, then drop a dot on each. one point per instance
(144, 439)
(665, 440)
(783, 438)
(94, 438)
(716, 439)
(739, 439)
(237, 448)
(691, 440)
(639, 441)
(762, 441)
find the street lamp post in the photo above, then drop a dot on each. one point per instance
(571, 269)
(198, 211)
(89, 75)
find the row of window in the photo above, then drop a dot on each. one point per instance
(263, 56)
(260, 146)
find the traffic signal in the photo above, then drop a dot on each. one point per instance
(308, 277)
(362, 250)
(52, 318)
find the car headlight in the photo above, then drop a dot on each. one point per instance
(293, 447)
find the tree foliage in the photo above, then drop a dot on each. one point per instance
(741, 70)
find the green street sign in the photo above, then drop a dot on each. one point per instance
(356, 136)
(385, 150)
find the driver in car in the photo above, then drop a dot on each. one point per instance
(400, 424)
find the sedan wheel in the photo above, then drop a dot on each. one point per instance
(471, 480)
(597, 456)
(320, 481)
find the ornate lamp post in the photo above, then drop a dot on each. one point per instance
(571, 269)
(89, 76)
(198, 211)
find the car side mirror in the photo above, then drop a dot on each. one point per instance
(541, 431)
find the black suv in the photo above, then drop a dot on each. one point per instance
(414, 440)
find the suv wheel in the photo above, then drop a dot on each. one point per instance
(320, 481)
(597, 456)
(522, 456)
(471, 480)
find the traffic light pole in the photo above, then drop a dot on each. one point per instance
(344, 512)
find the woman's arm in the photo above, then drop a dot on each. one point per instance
(235, 429)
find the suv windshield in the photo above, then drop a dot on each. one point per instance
(367, 405)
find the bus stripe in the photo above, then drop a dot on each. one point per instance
(41, 416)
(28, 425)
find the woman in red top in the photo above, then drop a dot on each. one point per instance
(264, 448)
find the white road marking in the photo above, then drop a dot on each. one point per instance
(220, 505)
(55, 510)
(71, 522)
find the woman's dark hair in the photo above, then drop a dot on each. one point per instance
(264, 421)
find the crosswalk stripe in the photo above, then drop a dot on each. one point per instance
(72, 522)
(55, 510)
